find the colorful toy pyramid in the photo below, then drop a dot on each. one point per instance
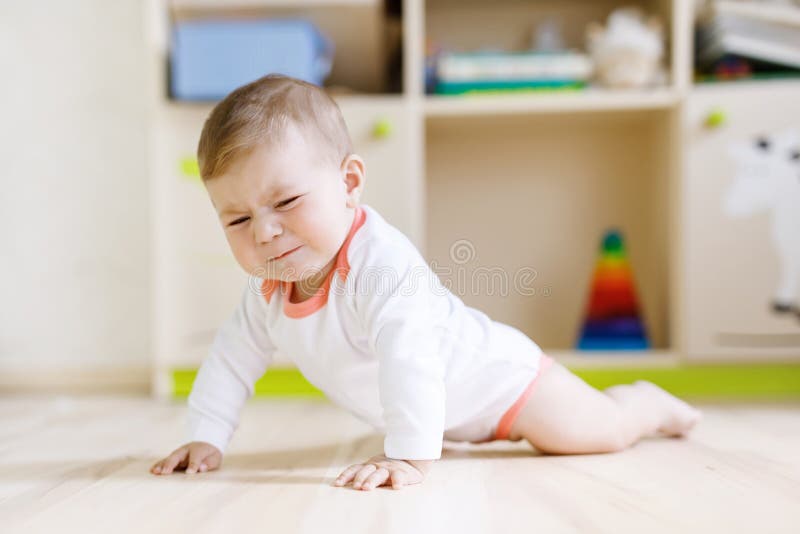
(613, 319)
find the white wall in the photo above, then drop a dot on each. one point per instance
(74, 256)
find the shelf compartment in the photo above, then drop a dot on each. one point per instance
(365, 38)
(509, 25)
(539, 193)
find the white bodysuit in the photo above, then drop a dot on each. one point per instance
(383, 338)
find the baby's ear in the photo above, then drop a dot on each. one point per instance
(354, 176)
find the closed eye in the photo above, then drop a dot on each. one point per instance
(240, 220)
(284, 203)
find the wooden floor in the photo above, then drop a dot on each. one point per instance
(81, 464)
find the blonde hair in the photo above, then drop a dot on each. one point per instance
(260, 112)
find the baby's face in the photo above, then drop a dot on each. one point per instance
(285, 210)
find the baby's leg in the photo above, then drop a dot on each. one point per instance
(564, 415)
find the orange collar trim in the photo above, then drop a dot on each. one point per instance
(320, 298)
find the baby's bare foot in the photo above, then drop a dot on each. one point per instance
(680, 417)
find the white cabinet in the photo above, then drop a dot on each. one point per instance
(741, 213)
(532, 180)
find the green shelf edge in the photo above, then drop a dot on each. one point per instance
(735, 381)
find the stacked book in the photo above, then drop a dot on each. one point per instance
(764, 31)
(459, 73)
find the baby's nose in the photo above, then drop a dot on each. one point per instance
(267, 229)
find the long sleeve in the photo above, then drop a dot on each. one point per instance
(396, 304)
(238, 357)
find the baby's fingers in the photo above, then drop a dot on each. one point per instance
(158, 467)
(347, 475)
(175, 460)
(196, 462)
(363, 473)
(376, 479)
(399, 479)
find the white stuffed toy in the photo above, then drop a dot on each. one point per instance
(627, 53)
(768, 179)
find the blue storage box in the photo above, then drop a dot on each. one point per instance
(209, 59)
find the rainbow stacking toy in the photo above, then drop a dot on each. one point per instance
(613, 321)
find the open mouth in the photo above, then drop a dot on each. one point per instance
(285, 254)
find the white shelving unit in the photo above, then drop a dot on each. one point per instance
(529, 180)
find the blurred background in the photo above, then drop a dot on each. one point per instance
(617, 180)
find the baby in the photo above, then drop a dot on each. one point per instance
(352, 302)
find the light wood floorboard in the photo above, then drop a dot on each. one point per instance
(81, 464)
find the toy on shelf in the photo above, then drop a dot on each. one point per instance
(767, 179)
(613, 320)
(548, 37)
(628, 51)
(731, 68)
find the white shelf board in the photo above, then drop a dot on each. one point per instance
(221, 5)
(607, 359)
(550, 102)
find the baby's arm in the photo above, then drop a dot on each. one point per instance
(400, 323)
(239, 356)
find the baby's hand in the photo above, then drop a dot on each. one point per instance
(379, 470)
(195, 456)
